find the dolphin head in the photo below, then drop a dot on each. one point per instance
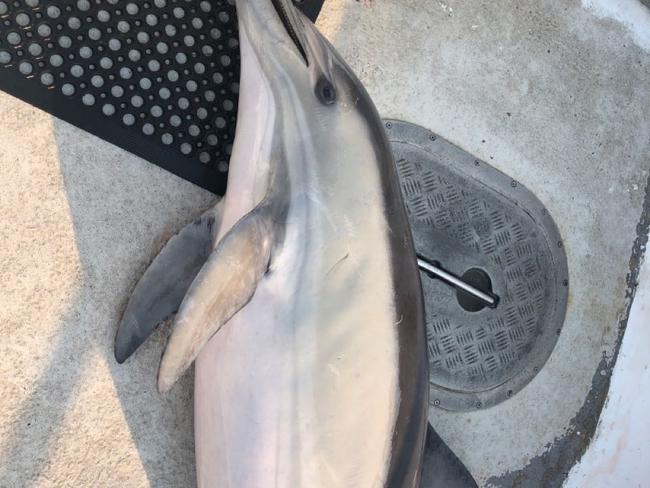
(301, 108)
(291, 51)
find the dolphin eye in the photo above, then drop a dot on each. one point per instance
(325, 91)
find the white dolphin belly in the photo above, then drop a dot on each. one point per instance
(301, 389)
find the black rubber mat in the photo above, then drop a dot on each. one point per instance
(159, 78)
(489, 230)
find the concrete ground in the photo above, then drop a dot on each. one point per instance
(619, 452)
(556, 94)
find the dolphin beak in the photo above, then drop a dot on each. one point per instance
(292, 21)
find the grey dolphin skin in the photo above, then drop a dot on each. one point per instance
(298, 295)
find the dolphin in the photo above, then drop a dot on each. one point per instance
(298, 295)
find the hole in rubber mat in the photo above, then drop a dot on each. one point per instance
(471, 218)
(479, 279)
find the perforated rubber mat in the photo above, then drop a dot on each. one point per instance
(484, 227)
(159, 78)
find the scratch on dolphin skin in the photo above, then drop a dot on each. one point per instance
(347, 254)
(333, 369)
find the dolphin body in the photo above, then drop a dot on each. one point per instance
(318, 375)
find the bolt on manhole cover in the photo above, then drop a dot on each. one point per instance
(490, 233)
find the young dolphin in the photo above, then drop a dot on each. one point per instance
(318, 375)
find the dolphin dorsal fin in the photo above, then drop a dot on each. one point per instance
(225, 284)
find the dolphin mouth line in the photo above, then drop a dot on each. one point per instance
(282, 12)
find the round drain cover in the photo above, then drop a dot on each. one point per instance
(491, 232)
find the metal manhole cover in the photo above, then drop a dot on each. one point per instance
(485, 228)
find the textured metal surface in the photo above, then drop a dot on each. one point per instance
(467, 215)
(159, 78)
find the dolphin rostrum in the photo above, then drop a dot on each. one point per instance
(318, 375)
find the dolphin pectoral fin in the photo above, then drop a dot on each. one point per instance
(161, 289)
(224, 285)
(441, 467)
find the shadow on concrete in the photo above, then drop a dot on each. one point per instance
(117, 233)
